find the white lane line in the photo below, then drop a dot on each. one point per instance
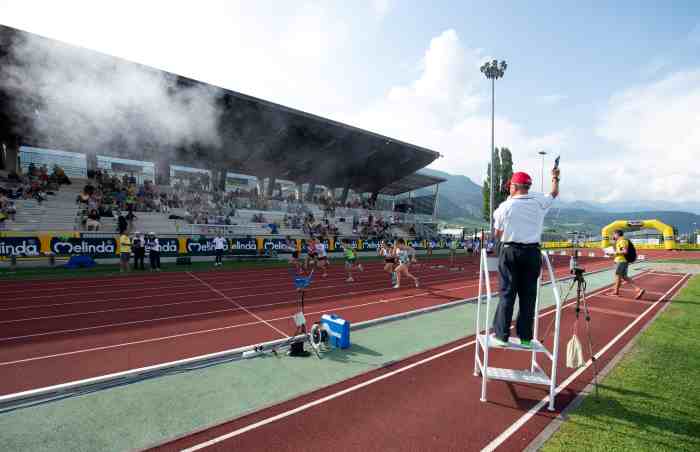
(223, 328)
(239, 306)
(20, 295)
(104, 311)
(500, 439)
(433, 277)
(204, 313)
(335, 395)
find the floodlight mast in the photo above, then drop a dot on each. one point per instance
(493, 70)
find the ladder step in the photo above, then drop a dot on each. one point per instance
(514, 344)
(518, 376)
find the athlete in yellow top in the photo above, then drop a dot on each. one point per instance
(622, 267)
(124, 252)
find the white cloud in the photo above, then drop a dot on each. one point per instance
(655, 131)
(551, 99)
(446, 109)
(382, 7)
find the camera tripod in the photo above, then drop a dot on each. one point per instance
(582, 304)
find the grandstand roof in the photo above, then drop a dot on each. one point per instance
(256, 136)
(411, 182)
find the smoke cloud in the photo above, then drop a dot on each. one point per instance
(89, 101)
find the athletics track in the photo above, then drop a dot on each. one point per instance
(431, 401)
(55, 332)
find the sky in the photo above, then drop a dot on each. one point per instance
(612, 87)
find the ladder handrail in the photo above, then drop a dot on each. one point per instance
(483, 366)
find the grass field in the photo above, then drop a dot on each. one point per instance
(651, 400)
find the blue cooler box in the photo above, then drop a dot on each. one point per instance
(338, 330)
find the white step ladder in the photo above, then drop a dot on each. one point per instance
(536, 374)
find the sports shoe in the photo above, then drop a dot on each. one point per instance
(639, 294)
(393, 278)
(349, 280)
(417, 285)
(360, 267)
(396, 286)
(495, 341)
(525, 344)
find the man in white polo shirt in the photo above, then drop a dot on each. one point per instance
(518, 223)
(219, 244)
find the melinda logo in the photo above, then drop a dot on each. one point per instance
(278, 245)
(169, 246)
(19, 247)
(243, 245)
(635, 223)
(84, 246)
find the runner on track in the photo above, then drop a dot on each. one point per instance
(406, 255)
(321, 257)
(311, 256)
(295, 260)
(387, 252)
(350, 260)
(454, 245)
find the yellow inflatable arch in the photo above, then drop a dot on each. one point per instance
(666, 230)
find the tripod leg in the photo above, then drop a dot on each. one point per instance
(590, 343)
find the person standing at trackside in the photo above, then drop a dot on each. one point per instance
(124, 252)
(518, 223)
(138, 244)
(622, 264)
(153, 247)
(219, 245)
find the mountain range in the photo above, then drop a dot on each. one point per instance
(460, 201)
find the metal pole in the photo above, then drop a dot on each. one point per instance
(491, 197)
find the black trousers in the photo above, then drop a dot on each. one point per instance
(139, 255)
(219, 255)
(519, 269)
(154, 257)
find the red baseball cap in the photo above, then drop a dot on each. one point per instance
(521, 178)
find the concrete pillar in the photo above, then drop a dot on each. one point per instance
(221, 182)
(344, 195)
(162, 172)
(11, 153)
(310, 193)
(270, 186)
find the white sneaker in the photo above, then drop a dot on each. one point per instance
(360, 267)
(397, 286)
(349, 280)
(417, 285)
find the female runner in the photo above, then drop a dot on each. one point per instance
(350, 260)
(405, 255)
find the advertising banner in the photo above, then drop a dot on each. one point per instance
(19, 246)
(96, 247)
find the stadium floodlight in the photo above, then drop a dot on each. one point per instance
(493, 70)
(542, 153)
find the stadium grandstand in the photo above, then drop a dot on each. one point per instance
(66, 167)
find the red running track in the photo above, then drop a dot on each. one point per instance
(53, 332)
(431, 401)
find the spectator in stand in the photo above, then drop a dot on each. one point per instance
(60, 176)
(93, 221)
(130, 218)
(273, 229)
(138, 245)
(124, 252)
(122, 224)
